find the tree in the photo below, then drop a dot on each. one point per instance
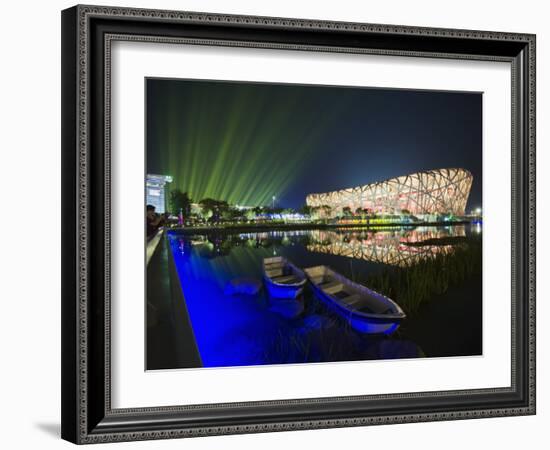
(250, 214)
(217, 207)
(314, 212)
(363, 212)
(405, 212)
(270, 210)
(346, 210)
(327, 210)
(180, 201)
(205, 213)
(227, 214)
(306, 210)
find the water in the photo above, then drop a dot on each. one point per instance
(244, 329)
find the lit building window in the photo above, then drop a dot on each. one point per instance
(155, 191)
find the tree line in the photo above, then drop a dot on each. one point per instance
(213, 210)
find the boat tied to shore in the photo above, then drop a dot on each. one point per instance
(366, 310)
(282, 278)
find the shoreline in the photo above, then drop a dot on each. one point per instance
(307, 226)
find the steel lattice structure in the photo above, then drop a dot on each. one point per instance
(388, 248)
(442, 191)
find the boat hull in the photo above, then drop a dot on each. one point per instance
(359, 322)
(283, 291)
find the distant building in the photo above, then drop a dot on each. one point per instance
(423, 194)
(244, 207)
(155, 191)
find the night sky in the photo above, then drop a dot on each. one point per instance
(245, 142)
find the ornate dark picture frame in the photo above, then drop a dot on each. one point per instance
(87, 34)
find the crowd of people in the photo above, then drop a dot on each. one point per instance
(154, 221)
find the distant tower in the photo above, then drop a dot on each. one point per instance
(155, 191)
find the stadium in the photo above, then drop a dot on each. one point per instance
(422, 194)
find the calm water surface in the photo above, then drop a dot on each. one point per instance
(239, 329)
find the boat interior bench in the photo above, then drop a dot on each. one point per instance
(331, 287)
(360, 302)
(286, 279)
(317, 280)
(275, 272)
(353, 300)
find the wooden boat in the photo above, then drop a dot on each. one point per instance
(282, 278)
(367, 311)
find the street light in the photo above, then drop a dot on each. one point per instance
(273, 202)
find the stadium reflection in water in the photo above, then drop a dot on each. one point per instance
(239, 329)
(395, 248)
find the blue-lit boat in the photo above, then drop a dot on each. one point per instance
(282, 278)
(367, 311)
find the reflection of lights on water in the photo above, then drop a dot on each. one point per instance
(388, 247)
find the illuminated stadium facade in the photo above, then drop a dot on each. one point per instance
(429, 193)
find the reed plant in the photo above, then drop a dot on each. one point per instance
(412, 286)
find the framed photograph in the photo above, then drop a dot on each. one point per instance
(280, 224)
